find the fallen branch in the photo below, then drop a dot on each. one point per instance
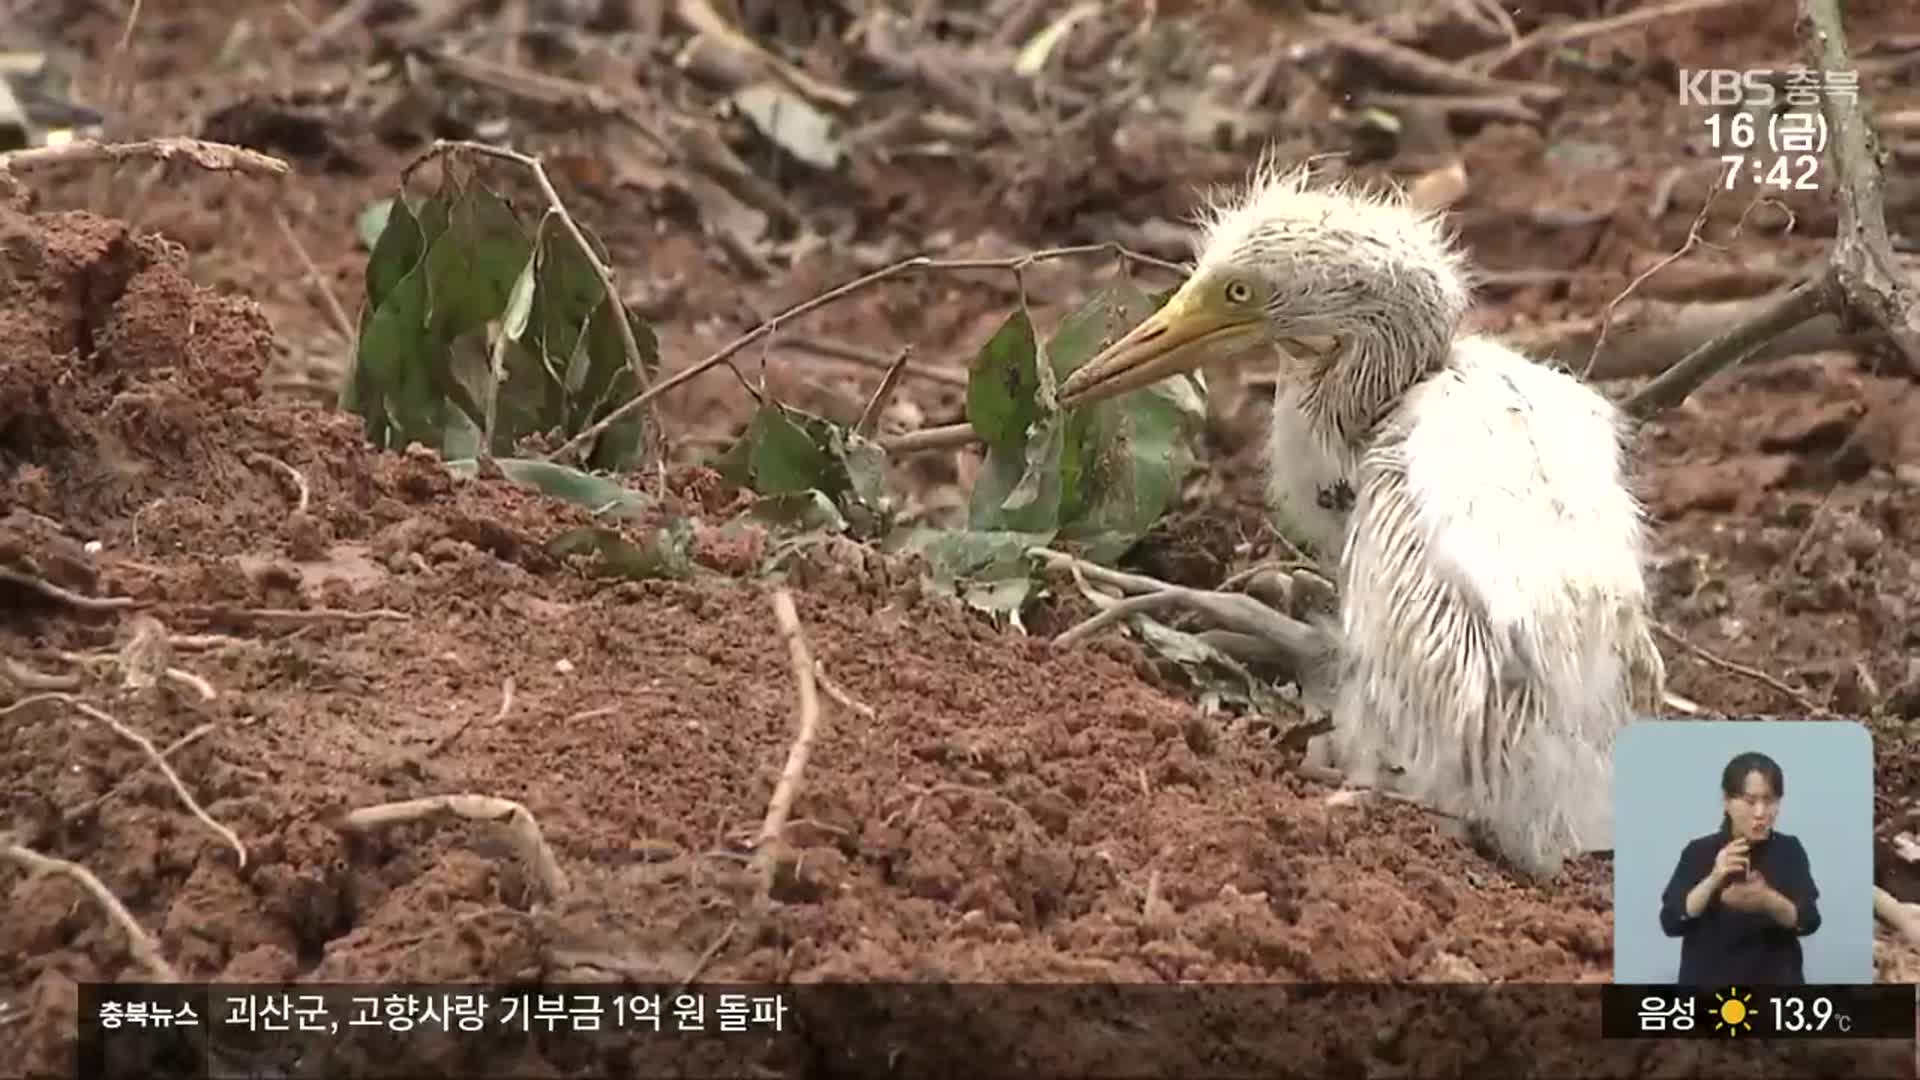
(840, 696)
(1492, 60)
(877, 360)
(1742, 670)
(877, 404)
(299, 481)
(1693, 238)
(522, 829)
(1418, 69)
(342, 324)
(138, 941)
(806, 724)
(80, 812)
(66, 596)
(212, 156)
(923, 263)
(1648, 336)
(1903, 918)
(215, 613)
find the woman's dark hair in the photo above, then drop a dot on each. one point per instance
(1733, 779)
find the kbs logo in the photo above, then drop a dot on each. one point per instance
(1761, 87)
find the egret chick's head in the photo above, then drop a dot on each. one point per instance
(1362, 289)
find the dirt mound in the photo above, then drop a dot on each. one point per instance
(1004, 814)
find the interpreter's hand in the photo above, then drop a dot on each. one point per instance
(1732, 862)
(1749, 894)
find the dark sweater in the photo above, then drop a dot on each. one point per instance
(1722, 946)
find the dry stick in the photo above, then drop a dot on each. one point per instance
(841, 292)
(1417, 68)
(215, 157)
(299, 481)
(506, 706)
(1672, 386)
(153, 755)
(334, 308)
(879, 361)
(521, 827)
(1493, 60)
(1606, 316)
(29, 679)
(174, 747)
(877, 404)
(139, 942)
(1723, 663)
(806, 724)
(840, 696)
(295, 615)
(65, 596)
(600, 269)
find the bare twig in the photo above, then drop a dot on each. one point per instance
(839, 694)
(882, 394)
(29, 679)
(1418, 69)
(212, 156)
(1742, 670)
(299, 480)
(66, 596)
(521, 826)
(506, 706)
(841, 292)
(706, 955)
(1693, 238)
(293, 615)
(1565, 33)
(806, 724)
(877, 360)
(80, 812)
(1671, 387)
(946, 437)
(335, 309)
(153, 754)
(142, 945)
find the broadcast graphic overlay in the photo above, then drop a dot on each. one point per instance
(1743, 854)
(1765, 125)
(1009, 1032)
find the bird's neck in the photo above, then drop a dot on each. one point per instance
(1350, 393)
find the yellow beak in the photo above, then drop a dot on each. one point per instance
(1185, 333)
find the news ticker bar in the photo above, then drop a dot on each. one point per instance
(1013, 1030)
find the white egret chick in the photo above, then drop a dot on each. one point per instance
(1493, 629)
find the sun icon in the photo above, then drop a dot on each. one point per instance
(1734, 1012)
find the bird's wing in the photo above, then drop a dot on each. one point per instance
(1517, 509)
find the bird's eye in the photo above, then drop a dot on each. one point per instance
(1239, 292)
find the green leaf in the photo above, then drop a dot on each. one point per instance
(786, 451)
(666, 552)
(1002, 384)
(394, 253)
(597, 493)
